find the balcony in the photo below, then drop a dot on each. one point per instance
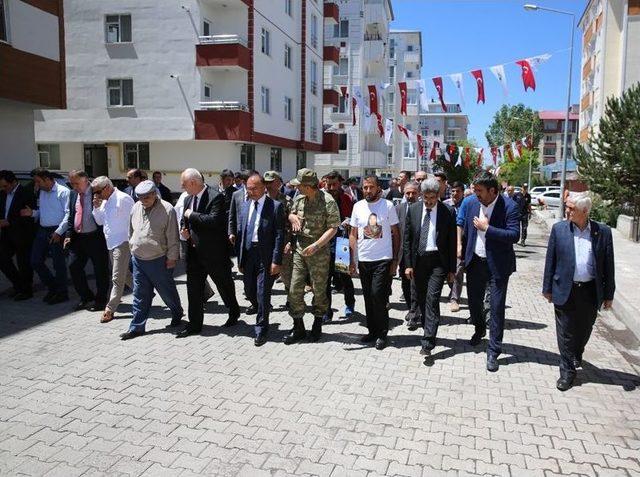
(412, 57)
(330, 97)
(330, 142)
(331, 12)
(375, 13)
(331, 54)
(374, 49)
(223, 51)
(584, 134)
(223, 121)
(586, 102)
(587, 69)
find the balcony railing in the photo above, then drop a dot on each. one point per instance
(222, 40)
(223, 106)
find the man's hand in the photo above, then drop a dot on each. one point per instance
(607, 304)
(275, 269)
(408, 272)
(26, 212)
(187, 213)
(232, 239)
(451, 277)
(66, 242)
(55, 238)
(393, 268)
(4, 223)
(170, 263)
(97, 201)
(345, 222)
(287, 248)
(310, 250)
(296, 223)
(547, 296)
(481, 224)
(185, 234)
(352, 269)
(459, 253)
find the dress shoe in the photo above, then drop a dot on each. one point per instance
(83, 305)
(58, 298)
(424, 351)
(97, 307)
(231, 321)
(454, 306)
(563, 384)
(187, 332)
(297, 333)
(48, 297)
(22, 296)
(492, 364)
(369, 338)
(381, 343)
(260, 340)
(251, 310)
(129, 335)
(174, 323)
(107, 316)
(477, 338)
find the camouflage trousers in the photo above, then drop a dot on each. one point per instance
(286, 270)
(317, 268)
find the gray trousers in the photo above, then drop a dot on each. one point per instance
(456, 286)
(120, 275)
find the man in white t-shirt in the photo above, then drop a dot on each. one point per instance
(375, 240)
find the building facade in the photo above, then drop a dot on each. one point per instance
(442, 127)
(211, 84)
(362, 38)
(551, 148)
(32, 74)
(610, 56)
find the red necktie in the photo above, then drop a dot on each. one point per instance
(77, 220)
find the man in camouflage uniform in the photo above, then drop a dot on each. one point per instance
(314, 220)
(273, 182)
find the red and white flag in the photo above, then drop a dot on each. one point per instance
(388, 131)
(456, 78)
(373, 98)
(437, 81)
(477, 74)
(528, 142)
(519, 147)
(380, 126)
(343, 90)
(403, 97)
(432, 155)
(480, 157)
(528, 79)
(354, 103)
(404, 130)
(420, 145)
(508, 152)
(467, 157)
(498, 72)
(494, 155)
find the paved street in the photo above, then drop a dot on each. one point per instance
(75, 400)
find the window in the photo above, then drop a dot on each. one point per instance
(266, 42)
(407, 151)
(392, 72)
(549, 151)
(206, 92)
(314, 123)
(342, 105)
(288, 7)
(391, 98)
(341, 30)
(276, 159)
(412, 96)
(451, 123)
(451, 135)
(549, 125)
(4, 35)
(206, 28)
(48, 154)
(266, 100)
(314, 31)
(118, 28)
(287, 56)
(436, 132)
(119, 92)
(342, 69)
(248, 157)
(342, 142)
(288, 115)
(392, 48)
(409, 47)
(301, 160)
(409, 74)
(548, 138)
(314, 77)
(136, 155)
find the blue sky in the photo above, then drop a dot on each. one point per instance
(462, 35)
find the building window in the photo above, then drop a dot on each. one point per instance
(206, 28)
(4, 36)
(412, 96)
(266, 42)
(287, 56)
(288, 7)
(118, 29)
(48, 154)
(314, 123)
(314, 31)
(314, 77)
(136, 155)
(342, 105)
(392, 72)
(276, 159)
(342, 142)
(288, 115)
(248, 157)
(342, 69)
(407, 151)
(436, 132)
(206, 92)
(341, 30)
(451, 135)
(409, 74)
(548, 138)
(266, 100)
(119, 92)
(301, 160)
(549, 151)
(409, 47)
(549, 125)
(392, 48)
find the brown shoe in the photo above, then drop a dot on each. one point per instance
(107, 316)
(455, 308)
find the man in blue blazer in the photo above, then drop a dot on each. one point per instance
(579, 279)
(260, 252)
(491, 226)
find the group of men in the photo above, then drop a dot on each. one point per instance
(293, 234)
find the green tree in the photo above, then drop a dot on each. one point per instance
(511, 123)
(610, 164)
(517, 172)
(458, 173)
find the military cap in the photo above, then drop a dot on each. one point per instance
(305, 177)
(271, 176)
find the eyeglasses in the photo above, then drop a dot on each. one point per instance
(98, 191)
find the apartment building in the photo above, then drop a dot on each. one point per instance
(362, 38)
(32, 74)
(551, 149)
(211, 84)
(436, 125)
(405, 65)
(610, 56)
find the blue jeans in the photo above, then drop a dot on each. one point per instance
(147, 275)
(39, 252)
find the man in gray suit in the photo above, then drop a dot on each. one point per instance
(238, 199)
(413, 318)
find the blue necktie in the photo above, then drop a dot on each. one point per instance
(250, 226)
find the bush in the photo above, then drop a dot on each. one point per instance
(605, 211)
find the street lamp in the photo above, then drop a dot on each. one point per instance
(565, 141)
(530, 155)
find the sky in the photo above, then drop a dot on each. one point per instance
(463, 35)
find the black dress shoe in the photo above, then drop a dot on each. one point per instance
(251, 310)
(129, 335)
(260, 340)
(58, 298)
(564, 384)
(231, 321)
(97, 307)
(381, 343)
(47, 298)
(477, 338)
(369, 338)
(492, 364)
(187, 332)
(83, 305)
(174, 324)
(22, 296)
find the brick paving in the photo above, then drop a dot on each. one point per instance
(74, 400)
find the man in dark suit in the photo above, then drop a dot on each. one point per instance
(490, 229)
(203, 227)
(413, 318)
(165, 192)
(16, 235)
(260, 254)
(579, 279)
(238, 199)
(429, 243)
(134, 177)
(86, 240)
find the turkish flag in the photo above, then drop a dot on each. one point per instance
(420, 145)
(527, 75)
(452, 149)
(373, 98)
(494, 155)
(477, 74)
(437, 81)
(403, 130)
(403, 97)
(353, 109)
(528, 142)
(380, 126)
(480, 159)
(343, 90)
(467, 157)
(432, 155)
(519, 147)
(508, 152)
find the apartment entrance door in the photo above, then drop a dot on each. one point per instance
(95, 160)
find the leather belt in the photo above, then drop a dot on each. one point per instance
(583, 284)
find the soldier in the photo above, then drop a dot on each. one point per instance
(314, 220)
(273, 182)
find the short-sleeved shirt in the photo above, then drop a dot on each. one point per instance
(317, 216)
(374, 221)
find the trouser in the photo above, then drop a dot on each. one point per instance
(429, 277)
(85, 247)
(198, 268)
(120, 274)
(574, 323)
(258, 283)
(410, 298)
(39, 252)
(479, 278)
(375, 279)
(344, 282)
(286, 270)
(19, 274)
(208, 291)
(458, 282)
(524, 225)
(147, 275)
(316, 267)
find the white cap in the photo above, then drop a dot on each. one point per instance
(145, 187)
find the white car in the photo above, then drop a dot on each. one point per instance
(537, 190)
(550, 198)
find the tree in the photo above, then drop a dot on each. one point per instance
(517, 172)
(458, 173)
(511, 123)
(610, 165)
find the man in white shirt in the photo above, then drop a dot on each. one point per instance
(375, 239)
(112, 210)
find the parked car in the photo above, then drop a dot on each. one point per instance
(537, 190)
(26, 179)
(549, 198)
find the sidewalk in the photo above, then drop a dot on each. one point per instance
(626, 305)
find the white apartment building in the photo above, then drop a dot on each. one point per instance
(610, 56)
(32, 74)
(405, 64)
(212, 84)
(362, 36)
(443, 127)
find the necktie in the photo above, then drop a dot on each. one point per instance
(250, 226)
(77, 220)
(424, 232)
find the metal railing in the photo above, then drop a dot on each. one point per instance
(223, 106)
(222, 40)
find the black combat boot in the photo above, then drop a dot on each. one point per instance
(316, 330)
(297, 333)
